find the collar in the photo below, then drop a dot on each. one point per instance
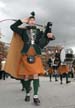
(31, 27)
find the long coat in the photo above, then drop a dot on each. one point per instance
(18, 47)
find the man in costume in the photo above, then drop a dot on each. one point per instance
(55, 66)
(29, 63)
(63, 68)
(50, 70)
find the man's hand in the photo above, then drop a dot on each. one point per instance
(49, 35)
(25, 20)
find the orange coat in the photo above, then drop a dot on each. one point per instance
(15, 64)
(63, 69)
(50, 70)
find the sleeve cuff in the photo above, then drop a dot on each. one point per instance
(19, 21)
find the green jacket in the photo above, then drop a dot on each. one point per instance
(40, 41)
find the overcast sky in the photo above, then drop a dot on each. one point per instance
(60, 12)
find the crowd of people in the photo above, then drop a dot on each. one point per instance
(57, 68)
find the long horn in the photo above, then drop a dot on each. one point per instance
(16, 20)
(7, 20)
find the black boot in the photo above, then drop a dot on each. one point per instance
(27, 98)
(36, 101)
(50, 77)
(61, 83)
(61, 77)
(68, 82)
(56, 78)
(67, 79)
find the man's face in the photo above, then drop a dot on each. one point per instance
(31, 22)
